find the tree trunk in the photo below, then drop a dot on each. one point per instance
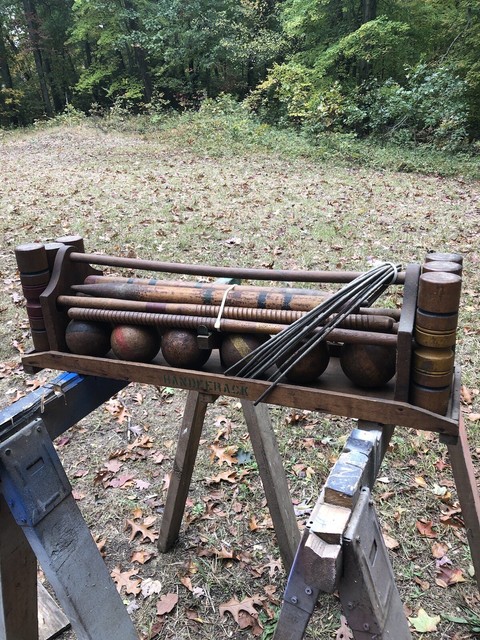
(4, 66)
(32, 20)
(139, 54)
(369, 10)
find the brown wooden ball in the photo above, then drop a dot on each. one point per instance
(180, 349)
(367, 365)
(88, 338)
(310, 367)
(138, 344)
(236, 346)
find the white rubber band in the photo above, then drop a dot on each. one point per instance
(222, 306)
(395, 270)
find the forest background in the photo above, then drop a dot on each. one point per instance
(406, 70)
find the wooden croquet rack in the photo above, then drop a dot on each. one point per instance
(341, 548)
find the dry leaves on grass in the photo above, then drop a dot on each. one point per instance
(425, 528)
(223, 454)
(244, 612)
(124, 580)
(144, 529)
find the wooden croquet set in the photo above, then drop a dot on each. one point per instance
(252, 334)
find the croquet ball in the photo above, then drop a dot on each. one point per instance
(180, 349)
(139, 344)
(88, 338)
(367, 365)
(310, 367)
(236, 346)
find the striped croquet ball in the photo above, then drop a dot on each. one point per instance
(236, 346)
(367, 365)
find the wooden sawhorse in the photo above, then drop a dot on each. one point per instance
(342, 547)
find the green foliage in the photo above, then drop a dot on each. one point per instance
(334, 66)
(375, 43)
(109, 35)
(207, 47)
(70, 117)
(10, 105)
(283, 97)
(431, 107)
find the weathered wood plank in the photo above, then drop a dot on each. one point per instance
(468, 493)
(348, 404)
(18, 581)
(51, 619)
(74, 567)
(405, 333)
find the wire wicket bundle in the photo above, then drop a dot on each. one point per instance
(296, 341)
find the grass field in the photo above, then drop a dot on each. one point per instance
(220, 192)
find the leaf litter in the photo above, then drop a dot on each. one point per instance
(128, 174)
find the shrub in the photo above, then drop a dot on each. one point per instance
(430, 107)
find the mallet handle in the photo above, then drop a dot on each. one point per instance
(221, 272)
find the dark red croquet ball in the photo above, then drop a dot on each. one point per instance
(138, 344)
(311, 366)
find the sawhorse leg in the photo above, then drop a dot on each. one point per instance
(274, 479)
(185, 456)
(270, 469)
(468, 494)
(39, 496)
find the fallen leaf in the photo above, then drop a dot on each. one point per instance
(225, 476)
(113, 465)
(193, 615)
(390, 542)
(150, 586)
(343, 632)
(144, 529)
(423, 584)
(223, 454)
(247, 620)
(446, 576)
(273, 566)
(423, 622)
(235, 608)
(439, 550)
(118, 482)
(166, 603)
(473, 417)
(466, 395)
(123, 580)
(141, 556)
(425, 528)
(187, 582)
